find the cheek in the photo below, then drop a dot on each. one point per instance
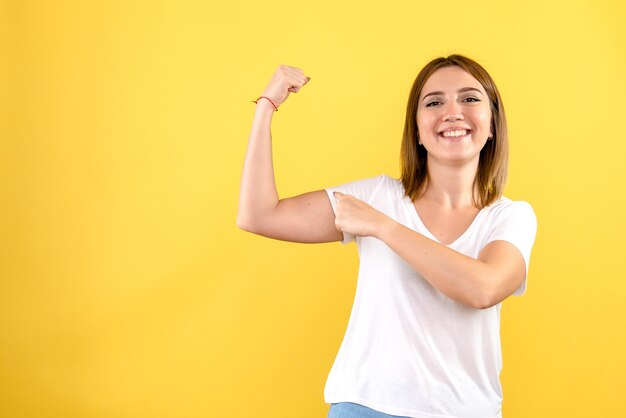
(482, 118)
(486, 115)
(424, 123)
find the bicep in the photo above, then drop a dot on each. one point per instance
(306, 218)
(508, 269)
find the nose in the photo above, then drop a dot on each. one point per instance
(452, 111)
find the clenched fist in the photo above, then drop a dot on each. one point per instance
(355, 217)
(285, 80)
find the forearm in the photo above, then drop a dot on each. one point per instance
(456, 275)
(258, 194)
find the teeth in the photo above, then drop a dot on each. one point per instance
(454, 133)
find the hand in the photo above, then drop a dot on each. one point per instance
(356, 217)
(285, 80)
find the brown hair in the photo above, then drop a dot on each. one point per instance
(493, 163)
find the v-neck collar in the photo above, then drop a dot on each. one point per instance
(429, 234)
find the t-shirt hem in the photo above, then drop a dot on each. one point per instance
(393, 410)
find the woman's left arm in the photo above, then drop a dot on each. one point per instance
(480, 283)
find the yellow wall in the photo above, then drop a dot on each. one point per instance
(126, 289)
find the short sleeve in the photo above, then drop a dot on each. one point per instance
(363, 190)
(517, 224)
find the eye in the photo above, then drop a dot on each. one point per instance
(473, 99)
(432, 103)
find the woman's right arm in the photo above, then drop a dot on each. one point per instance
(304, 218)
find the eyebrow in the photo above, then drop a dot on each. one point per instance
(462, 90)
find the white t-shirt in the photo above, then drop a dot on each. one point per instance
(409, 349)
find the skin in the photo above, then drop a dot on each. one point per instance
(446, 208)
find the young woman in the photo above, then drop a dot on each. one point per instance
(440, 248)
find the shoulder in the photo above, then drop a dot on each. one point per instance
(506, 204)
(380, 181)
(389, 187)
(505, 208)
(390, 183)
(364, 188)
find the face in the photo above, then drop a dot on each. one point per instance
(453, 116)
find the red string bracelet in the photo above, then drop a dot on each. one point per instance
(263, 97)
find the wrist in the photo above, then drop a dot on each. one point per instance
(386, 227)
(265, 101)
(265, 106)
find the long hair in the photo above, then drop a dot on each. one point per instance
(493, 161)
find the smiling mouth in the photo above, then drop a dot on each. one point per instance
(461, 133)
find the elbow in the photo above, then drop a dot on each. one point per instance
(489, 298)
(249, 223)
(241, 225)
(495, 291)
(485, 297)
(253, 221)
(244, 224)
(483, 304)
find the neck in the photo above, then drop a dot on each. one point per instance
(451, 185)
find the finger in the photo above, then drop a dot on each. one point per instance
(296, 71)
(297, 79)
(337, 194)
(298, 82)
(292, 72)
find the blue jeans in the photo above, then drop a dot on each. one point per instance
(355, 410)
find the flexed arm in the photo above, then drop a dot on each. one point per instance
(304, 218)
